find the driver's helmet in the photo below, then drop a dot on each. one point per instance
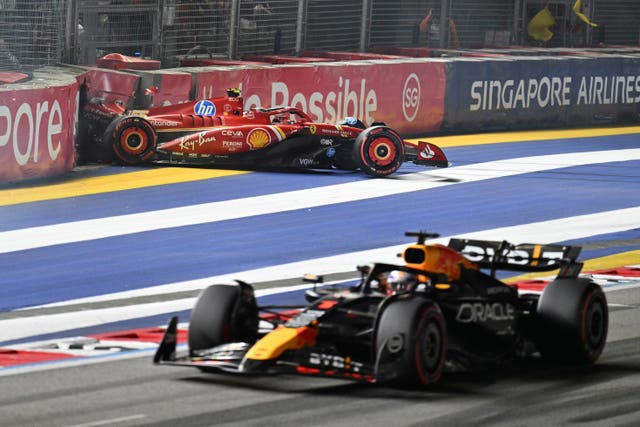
(281, 118)
(401, 281)
(353, 122)
(233, 92)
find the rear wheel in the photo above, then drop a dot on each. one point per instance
(223, 314)
(411, 342)
(133, 139)
(378, 151)
(574, 319)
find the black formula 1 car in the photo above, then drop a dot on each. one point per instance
(217, 132)
(404, 324)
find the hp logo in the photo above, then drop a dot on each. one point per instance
(204, 108)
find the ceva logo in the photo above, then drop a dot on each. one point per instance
(204, 108)
(411, 97)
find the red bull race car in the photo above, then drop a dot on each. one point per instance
(441, 309)
(218, 132)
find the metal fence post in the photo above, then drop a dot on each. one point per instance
(301, 25)
(444, 24)
(69, 32)
(234, 24)
(157, 34)
(516, 24)
(365, 25)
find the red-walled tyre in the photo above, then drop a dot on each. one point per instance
(132, 139)
(378, 151)
(411, 343)
(223, 314)
(573, 321)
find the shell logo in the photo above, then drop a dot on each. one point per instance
(258, 138)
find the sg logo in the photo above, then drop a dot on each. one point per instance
(411, 97)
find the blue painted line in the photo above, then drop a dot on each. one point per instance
(260, 183)
(164, 197)
(127, 262)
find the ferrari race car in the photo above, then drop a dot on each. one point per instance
(442, 309)
(218, 132)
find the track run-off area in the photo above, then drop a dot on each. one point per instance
(109, 249)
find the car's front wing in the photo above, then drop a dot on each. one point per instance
(230, 358)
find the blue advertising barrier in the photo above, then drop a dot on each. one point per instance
(544, 92)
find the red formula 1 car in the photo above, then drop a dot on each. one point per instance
(218, 132)
(442, 308)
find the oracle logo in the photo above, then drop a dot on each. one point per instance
(411, 97)
(485, 312)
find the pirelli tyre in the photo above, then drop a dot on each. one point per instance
(410, 343)
(378, 151)
(223, 314)
(573, 321)
(133, 139)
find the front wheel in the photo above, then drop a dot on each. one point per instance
(378, 151)
(223, 314)
(133, 139)
(411, 343)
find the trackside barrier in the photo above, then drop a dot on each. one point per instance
(283, 59)
(535, 92)
(496, 89)
(162, 87)
(406, 94)
(111, 86)
(38, 122)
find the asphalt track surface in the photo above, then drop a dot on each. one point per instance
(112, 248)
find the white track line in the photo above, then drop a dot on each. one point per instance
(79, 231)
(539, 232)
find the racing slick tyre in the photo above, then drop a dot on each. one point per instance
(133, 139)
(378, 151)
(223, 314)
(410, 343)
(573, 321)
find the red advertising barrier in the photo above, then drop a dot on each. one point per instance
(117, 61)
(414, 52)
(111, 86)
(407, 95)
(348, 56)
(155, 87)
(37, 130)
(8, 77)
(284, 59)
(207, 62)
(162, 87)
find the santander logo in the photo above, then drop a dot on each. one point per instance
(411, 97)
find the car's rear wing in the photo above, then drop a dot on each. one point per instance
(527, 257)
